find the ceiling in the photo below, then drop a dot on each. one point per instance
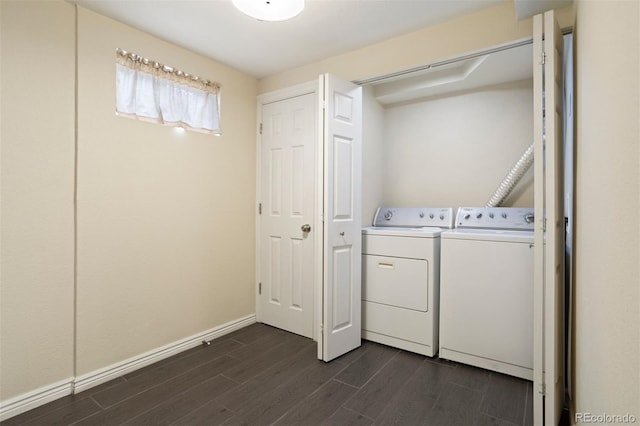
(214, 28)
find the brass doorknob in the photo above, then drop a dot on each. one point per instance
(306, 228)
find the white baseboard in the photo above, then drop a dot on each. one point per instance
(95, 378)
(30, 400)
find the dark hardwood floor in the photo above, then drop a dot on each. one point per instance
(261, 375)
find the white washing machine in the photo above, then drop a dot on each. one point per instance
(486, 290)
(400, 277)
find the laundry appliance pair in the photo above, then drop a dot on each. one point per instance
(459, 286)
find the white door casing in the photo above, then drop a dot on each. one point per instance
(549, 229)
(287, 187)
(342, 241)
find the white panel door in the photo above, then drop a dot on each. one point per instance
(287, 198)
(342, 140)
(550, 228)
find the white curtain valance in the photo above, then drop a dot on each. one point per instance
(153, 92)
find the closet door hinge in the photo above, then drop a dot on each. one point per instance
(259, 288)
(544, 225)
(543, 58)
(260, 128)
(259, 208)
(543, 389)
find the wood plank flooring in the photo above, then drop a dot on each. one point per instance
(261, 376)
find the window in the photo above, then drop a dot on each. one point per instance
(154, 92)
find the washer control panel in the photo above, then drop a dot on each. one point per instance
(517, 218)
(414, 217)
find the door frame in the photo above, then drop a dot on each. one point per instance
(316, 223)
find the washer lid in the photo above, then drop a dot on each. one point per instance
(423, 232)
(498, 235)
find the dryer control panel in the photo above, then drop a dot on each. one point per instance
(515, 218)
(414, 217)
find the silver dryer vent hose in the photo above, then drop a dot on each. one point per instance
(512, 178)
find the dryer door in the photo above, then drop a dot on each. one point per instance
(396, 281)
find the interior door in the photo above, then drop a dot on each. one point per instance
(549, 231)
(342, 245)
(287, 212)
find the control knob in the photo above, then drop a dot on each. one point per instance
(388, 215)
(479, 216)
(467, 216)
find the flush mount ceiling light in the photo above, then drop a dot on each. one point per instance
(270, 10)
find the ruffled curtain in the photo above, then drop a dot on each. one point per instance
(153, 92)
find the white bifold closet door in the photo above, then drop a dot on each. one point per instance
(341, 136)
(549, 220)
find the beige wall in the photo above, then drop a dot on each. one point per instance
(488, 27)
(37, 135)
(607, 322)
(165, 219)
(454, 150)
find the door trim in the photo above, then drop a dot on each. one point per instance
(264, 99)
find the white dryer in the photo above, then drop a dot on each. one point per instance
(400, 277)
(486, 290)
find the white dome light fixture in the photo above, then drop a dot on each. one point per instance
(270, 10)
